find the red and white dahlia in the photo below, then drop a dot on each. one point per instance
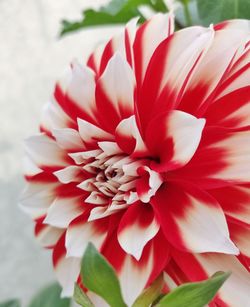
(145, 151)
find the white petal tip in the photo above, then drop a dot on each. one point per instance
(134, 253)
(138, 255)
(69, 254)
(230, 248)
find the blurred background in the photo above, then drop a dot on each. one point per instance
(32, 57)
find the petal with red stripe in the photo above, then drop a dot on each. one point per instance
(91, 133)
(173, 138)
(240, 234)
(148, 183)
(169, 71)
(66, 269)
(192, 220)
(211, 71)
(129, 139)
(45, 152)
(47, 235)
(234, 201)
(68, 139)
(231, 110)
(115, 93)
(53, 117)
(63, 210)
(69, 174)
(233, 24)
(147, 39)
(116, 44)
(222, 159)
(75, 92)
(135, 275)
(37, 198)
(80, 232)
(137, 227)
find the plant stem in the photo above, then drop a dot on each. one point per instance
(187, 13)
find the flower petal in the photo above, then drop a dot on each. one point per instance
(137, 227)
(192, 221)
(148, 184)
(37, 198)
(63, 210)
(69, 174)
(135, 275)
(91, 134)
(47, 235)
(174, 138)
(234, 201)
(67, 269)
(68, 139)
(169, 71)
(53, 117)
(80, 232)
(30, 168)
(148, 38)
(231, 110)
(94, 60)
(115, 93)
(129, 139)
(75, 92)
(116, 44)
(232, 163)
(45, 152)
(210, 72)
(240, 234)
(233, 24)
(130, 32)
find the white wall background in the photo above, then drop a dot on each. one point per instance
(31, 58)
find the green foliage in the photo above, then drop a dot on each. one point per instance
(99, 276)
(81, 298)
(50, 296)
(214, 11)
(10, 303)
(115, 12)
(190, 12)
(196, 294)
(150, 294)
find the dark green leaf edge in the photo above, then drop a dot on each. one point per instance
(100, 277)
(196, 294)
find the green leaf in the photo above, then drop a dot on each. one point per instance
(115, 12)
(150, 294)
(99, 276)
(50, 296)
(196, 294)
(11, 303)
(214, 11)
(158, 6)
(81, 298)
(95, 18)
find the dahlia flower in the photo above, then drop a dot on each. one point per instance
(145, 152)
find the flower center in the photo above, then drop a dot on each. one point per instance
(116, 180)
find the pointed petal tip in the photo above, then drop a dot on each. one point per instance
(230, 248)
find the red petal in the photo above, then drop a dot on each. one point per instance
(192, 220)
(137, 227)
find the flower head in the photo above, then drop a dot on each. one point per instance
(145, 152)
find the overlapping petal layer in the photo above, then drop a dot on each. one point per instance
(145, 152)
